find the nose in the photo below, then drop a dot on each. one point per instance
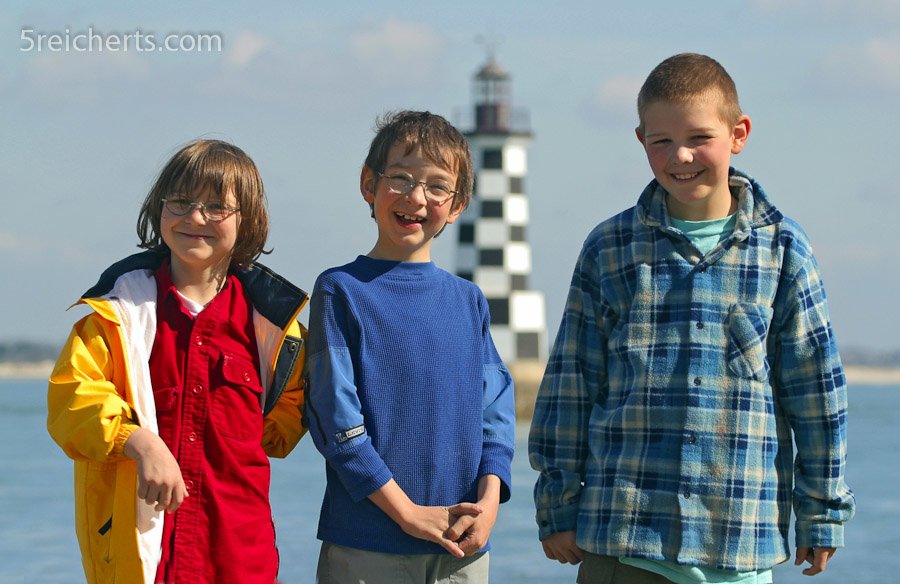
(684, 154)
(415, 196)
(196, 214)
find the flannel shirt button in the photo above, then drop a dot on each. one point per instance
(690, 438)
(699, 325)
(687, 492)
(697, 381)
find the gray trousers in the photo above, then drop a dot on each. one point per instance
(596, 569)
(344, 565)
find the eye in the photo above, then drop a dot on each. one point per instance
(215, 206)
(660, 142)
(440, 189)
(400, 183)
(178, 205)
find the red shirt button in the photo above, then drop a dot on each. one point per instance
(192, 437)
(197, 389)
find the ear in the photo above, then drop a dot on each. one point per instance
(367, 182)
(640, 134)
(740, 133)
(454, 213)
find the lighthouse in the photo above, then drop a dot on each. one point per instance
(493, 249)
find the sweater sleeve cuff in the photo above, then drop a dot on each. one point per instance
(361, 470)
(496, 459)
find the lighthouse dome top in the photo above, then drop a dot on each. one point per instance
(491, 71)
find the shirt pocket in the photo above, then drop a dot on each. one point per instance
(167, 408)
(748, 326)
(236, 410)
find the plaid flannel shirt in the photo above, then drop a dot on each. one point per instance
(663, 425)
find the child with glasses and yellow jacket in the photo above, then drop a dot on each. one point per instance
(408, 400)
(186, 375)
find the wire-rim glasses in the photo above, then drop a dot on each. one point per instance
(211, 211)
(435, 193)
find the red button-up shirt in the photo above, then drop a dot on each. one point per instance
(205, 375)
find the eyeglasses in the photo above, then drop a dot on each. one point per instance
(211, 211)
(402, 184)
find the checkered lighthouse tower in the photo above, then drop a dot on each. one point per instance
(493, 248)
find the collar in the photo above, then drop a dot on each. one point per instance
(754, 208)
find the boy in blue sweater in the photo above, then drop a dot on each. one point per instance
(408, 400)
(695, 353)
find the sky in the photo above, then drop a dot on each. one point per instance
(298, 86)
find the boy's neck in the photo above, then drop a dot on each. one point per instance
(200, 285)
(719, 208)
(421, 255)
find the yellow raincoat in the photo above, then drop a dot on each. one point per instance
(100, 392)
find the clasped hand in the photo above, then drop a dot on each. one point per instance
(159, 477)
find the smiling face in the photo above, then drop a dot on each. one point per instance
(407, 223)
(689, 148)
(199, 246)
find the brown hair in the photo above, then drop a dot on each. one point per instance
(688, 76)
(442, 143)
(216, 166)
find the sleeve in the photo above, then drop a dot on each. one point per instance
(499, 415)
(811, 389)
(572, 383)
(333, 406)
(283, 427)
(87, 413)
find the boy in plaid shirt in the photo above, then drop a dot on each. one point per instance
(695, 341)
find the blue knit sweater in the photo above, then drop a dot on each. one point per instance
(404, 383)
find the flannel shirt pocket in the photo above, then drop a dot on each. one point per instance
(748, 326)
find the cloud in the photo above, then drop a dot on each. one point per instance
(614, 100)
(855, 253)
(394, 46)
(246, 46)
(833, 10)
(30, 251)
(82, 76)
(618, 94)
(360, 66)
(874, 63)
(9, 242)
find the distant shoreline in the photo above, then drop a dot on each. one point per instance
(856, 375)
(31, 370)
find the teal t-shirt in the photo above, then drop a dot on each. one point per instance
(705, 235)
(697, 574)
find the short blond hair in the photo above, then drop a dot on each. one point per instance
(687, 77)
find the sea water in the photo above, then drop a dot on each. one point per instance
(37, 539)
